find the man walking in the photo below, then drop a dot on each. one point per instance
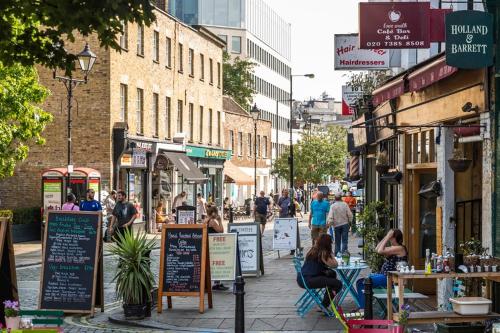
(124, 215)
(201, 207)
(284, 203)
(90, 204)
(351, 202)
(317, 217)
(110, 202)
(340, 216)
(261, 207)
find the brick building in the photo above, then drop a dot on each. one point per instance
(239, 138)
(135, 117)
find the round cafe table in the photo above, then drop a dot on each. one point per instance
(349, 274)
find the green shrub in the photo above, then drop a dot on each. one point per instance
(23, 215)
(6, 213)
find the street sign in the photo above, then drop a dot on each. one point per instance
(469, 39)
(349, 96)
(348, 56)
(394, 25)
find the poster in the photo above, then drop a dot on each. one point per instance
(285, 234)
(349, 97)
(52, 194)
(348, 56)
(186, 216)
(248, 245)
(222, 250)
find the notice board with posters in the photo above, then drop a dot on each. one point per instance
(185, 215)
(8, 280)
(184, 264)
(285, 234)
(249, 247)
(223, 257)
(70, 262)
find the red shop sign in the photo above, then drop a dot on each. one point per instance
(394, 25)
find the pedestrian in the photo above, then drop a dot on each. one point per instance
(261, 207)
(90, 204)
(340, 217)
(124, 215)
(201, 207)
(179, 199)
(70, 203)
(318, 270)
(214, 225)
(351, 202)
(160, 216)
(298, 209)
(317, 217)
(110, 202)
(284, 203)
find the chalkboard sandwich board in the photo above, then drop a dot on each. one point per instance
(8, 280)
(71, 255)
(184, 264)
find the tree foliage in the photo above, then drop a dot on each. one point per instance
(367, 81)
(238, 80)
(21, 119)
(316, 156)
(34, 32)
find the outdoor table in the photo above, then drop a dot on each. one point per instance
(348, 274)
(436, 316)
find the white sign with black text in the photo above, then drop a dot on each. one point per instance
(285, 234)
(349, 57)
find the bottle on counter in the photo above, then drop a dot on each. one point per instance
(428, 268)
(439, 264)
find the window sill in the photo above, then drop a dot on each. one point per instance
(124, 49)
(168, 67)
(202, 79)
(156, 61)
(211, 83)
(190, 141)
(168, 138)
(191, 76)
(140, 55)
(235, 52)
(139, 134)
(218, 86)
(155, 136)
(180, 71)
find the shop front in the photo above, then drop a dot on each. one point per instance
(210, 161)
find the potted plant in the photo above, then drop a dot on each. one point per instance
(11, 310)
(382, 164)
(459, 163)
(472, 250)
(404, 314)
(134, 278)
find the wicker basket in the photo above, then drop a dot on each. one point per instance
(490, 261)
(471, 260)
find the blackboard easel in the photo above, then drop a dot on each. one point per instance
(8, 280)
(205, 284)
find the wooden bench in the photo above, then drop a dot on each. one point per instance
(445, 317)
(47, 320)
(380, 294)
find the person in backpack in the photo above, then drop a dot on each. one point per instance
(261, 207)
(70, 203)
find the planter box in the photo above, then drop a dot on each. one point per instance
(26, 232)
(460, 328)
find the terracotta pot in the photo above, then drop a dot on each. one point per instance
(459, 165)
(382, 168)
(12, 322)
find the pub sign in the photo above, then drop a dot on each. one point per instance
(469, 39)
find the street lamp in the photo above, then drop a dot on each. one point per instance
(86, 60)
(290, 158)
(255, 113)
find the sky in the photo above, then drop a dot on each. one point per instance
(314, 22)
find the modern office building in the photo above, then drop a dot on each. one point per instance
(252, 30)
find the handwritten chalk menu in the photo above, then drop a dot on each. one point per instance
(222, 249)
(70, 258)
(184, 263)
(249, 246)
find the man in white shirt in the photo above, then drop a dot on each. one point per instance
(340, 216)
(179, 199)
(201, 207)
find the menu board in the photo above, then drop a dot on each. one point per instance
(285, 234)
(249, 246)
(182, 269)
(70, 261)
(222, 249)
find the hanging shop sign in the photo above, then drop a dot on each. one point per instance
(202, 152)
(348, 56)
(349, 97)
(126, 160)
(394, 25)
(469, 39)
(139, 158)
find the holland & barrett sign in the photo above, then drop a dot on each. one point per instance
(469, 39)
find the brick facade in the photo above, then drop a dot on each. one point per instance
(97, 105)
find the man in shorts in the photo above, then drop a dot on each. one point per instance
(261, 207)
(317, 218)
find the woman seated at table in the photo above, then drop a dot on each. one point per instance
(317, 268)
(394, 253)
(160, 217)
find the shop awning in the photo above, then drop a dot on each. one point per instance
(429, 74)
(236, 175)
(389, 91)
(186, 167)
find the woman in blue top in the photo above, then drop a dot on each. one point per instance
(317, 268)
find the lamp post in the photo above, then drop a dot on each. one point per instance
(255, 113)
(86, 60)
(290, 157)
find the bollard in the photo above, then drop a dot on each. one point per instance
(368, 299)
(231, 214)
(239, 316)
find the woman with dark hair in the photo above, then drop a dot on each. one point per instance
(214, 225)
(317, 268)
(392, 248)
(70, 203)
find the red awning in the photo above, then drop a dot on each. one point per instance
(427, 75)
(388, 91)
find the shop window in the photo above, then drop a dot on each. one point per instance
(140, 40)
(168, 52)
(420, 147)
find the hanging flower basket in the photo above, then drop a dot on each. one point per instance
(459, 165)
(382, 168)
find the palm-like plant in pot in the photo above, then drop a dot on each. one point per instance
(134, 278)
